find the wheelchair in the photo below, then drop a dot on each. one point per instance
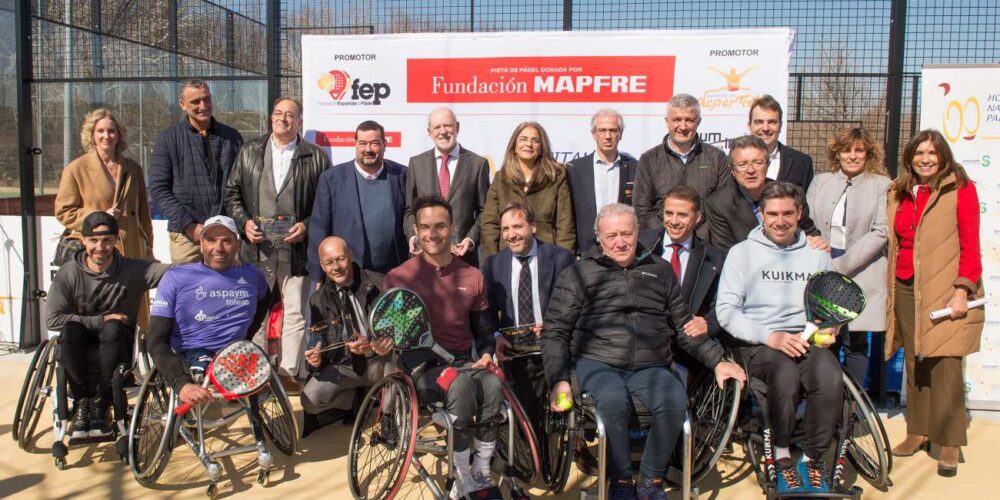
(393, 431)
(860, 438)
(708, 425)
(39, 385)
(155, 427)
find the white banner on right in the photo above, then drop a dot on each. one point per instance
(963, 102)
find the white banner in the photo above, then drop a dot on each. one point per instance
(963, 102)
(494, 81)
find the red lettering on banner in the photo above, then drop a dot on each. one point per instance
(541, 79)
(346, 139)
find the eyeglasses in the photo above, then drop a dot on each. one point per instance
(607, 131)
(532, 140)
(744, 165)
(290, 115)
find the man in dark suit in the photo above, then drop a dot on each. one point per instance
(786, 164)
(454, 173)
(519, 280)
(602, 177)
(362, 202)
(732, 212)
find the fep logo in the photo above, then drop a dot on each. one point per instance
(336, 82)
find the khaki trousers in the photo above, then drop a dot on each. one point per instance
(183, 250)
(935, 387)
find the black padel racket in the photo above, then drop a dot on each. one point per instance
(401, 315)
(831, 300)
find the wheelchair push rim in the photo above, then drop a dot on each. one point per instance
(382, 456)
(34, 393)
(148, 450)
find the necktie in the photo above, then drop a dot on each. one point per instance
(358, 361)
(525, 304)
(675, 261)
(444, 178)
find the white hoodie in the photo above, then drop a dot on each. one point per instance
(762, 286)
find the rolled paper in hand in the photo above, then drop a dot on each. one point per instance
(943, 313)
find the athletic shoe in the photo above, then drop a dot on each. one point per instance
(650, 489)
(788, 480)
(463, 485)
(813, 472)
(80, 426)
(621, 489)
(481, 482)
(99, 425)
(484, 489)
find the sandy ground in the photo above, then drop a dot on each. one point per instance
(320, 465)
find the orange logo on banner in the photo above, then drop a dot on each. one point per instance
(966, 128)
(335, 82)
(733, 78)
(541, 79)
(346, 139)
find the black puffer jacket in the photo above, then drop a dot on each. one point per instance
(624, 317)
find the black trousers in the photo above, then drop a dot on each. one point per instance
(114, 340)
(817, 377)
(526, 377)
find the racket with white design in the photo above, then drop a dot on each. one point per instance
(401, 315)
(238, 370)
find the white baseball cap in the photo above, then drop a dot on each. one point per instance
(220, 220)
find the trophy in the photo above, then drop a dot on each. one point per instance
(276, 228)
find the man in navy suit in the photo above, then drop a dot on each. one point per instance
(519, 280)
(786, 164)
(362, 202)
(600, 178)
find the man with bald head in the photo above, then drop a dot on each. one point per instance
(454, 173)
(340, 309)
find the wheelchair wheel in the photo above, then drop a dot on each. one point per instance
(151, 431)
(868, 443)
(277, 416)
(34, 392)
(383, 439)
(556, 450)
(526, 463)
(713, 414)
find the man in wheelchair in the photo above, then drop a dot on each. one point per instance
(94, 299)
(614, 314)
(760, 303)
(455, 295)
(202, 307)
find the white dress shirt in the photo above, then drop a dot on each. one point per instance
(774, 164)
(515, 280)
(606, 180)
(281, 161)
(366, 175)
(668, 253)
(452, 162)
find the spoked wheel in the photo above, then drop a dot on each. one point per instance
(713, 414)
(868, 445)
(526, 461)
(277, 416)
(151, 430)
(383, 439)
(556, 450)
(34, 392)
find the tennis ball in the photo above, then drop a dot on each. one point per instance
(562, 402)
(820, 338)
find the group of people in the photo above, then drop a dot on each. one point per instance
(620, 267)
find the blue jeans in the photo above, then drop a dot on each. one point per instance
(197, 359)
(662, 394)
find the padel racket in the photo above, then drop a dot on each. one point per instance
(831, 300)
(238, 370)
(401, 315)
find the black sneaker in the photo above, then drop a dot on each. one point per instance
(621, 489)
(80, 426)
(650, 489)
(99, 425)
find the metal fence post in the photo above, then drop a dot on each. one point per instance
(894, 84)
(273, 52)
(31, 330)
(567, 15)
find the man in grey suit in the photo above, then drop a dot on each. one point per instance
(454, 173)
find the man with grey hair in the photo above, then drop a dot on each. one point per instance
(732, 212)
(188, 170)
(603, 177)
(621, 309)
(454, 173)
(682, 158)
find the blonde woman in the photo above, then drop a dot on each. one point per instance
(530, 175)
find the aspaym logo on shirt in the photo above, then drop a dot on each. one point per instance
(199, 293)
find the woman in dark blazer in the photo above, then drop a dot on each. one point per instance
(848, 206)
(530, 175)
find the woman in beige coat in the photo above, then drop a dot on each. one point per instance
(848, 205)
(103, 179)
(935, 262)
(530, 175)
